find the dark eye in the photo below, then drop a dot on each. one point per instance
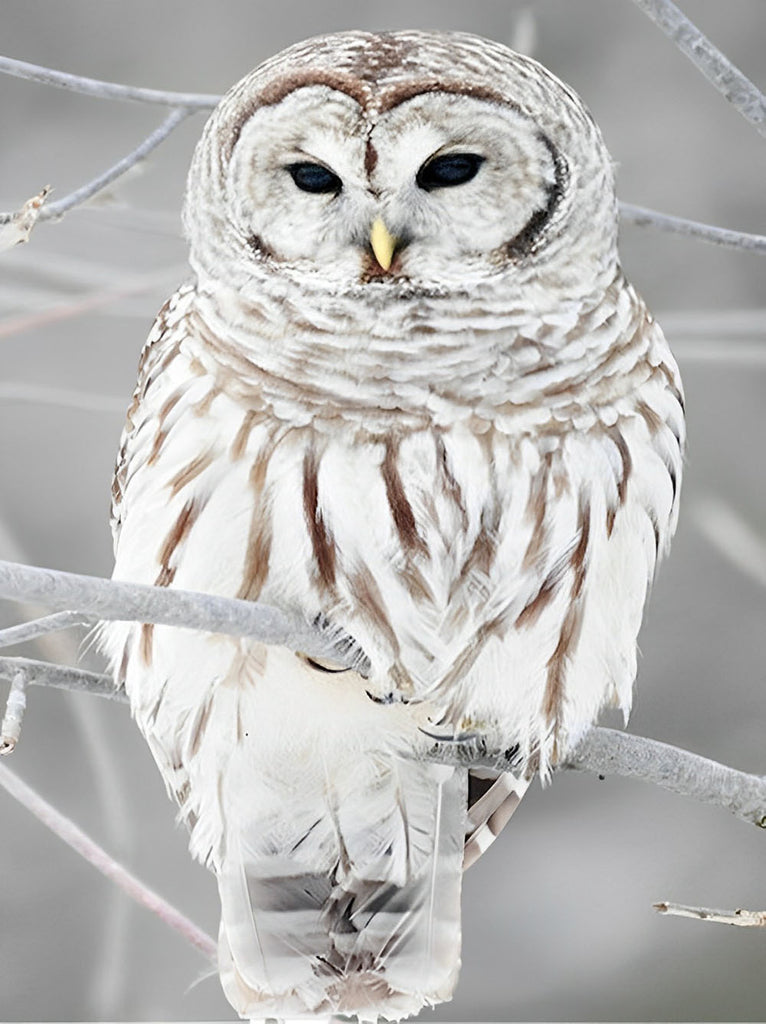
(314, 178)
(448, 170)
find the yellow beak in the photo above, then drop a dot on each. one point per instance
(383, 243)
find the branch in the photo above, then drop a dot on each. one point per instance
(743, 94)
(80, 195)
(608, 752)
(106, 90)
(100, 859)
(743, 918)
(601, 751)
(118, 601)
(16, 226)
(39, 627)
(643, 217)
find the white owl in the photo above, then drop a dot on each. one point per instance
(408, 393)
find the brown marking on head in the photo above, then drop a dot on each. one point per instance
(401, 510)
(370, 158)
(288, 83)
(408, 90)
(322, 542)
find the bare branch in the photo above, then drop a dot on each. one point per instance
(116, 600)
(80, 195)
(60, 677)
(644, 217)
(10, 730)
(743, 94)
(16, 227)
(100, 859)
(743, 918)
(106, 90)
(602, 751)
(608, 752)
(39, 627)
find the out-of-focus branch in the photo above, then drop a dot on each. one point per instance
(643, 217)
(732, 537)
(743, 94)
(743, 918)
(105, 90)
(100, 859)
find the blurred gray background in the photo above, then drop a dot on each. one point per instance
(558, 917)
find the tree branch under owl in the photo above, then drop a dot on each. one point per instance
(84, 599)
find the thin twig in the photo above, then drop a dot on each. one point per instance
(643, 217)
(743, 94)
(608, 752)
(100, 859)
(743, 918)
(16, 704)
(105, 90)
(116, 600)
(60, 677)
(39, 627)
(100, 182)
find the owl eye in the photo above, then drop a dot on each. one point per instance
(314, 178)
(448, 170)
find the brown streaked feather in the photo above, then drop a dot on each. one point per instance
(322, 542)
(258, 552)
(189, 472)
(401, 510)
(553, 697)
(490, 813)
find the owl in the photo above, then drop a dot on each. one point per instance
(407, 394)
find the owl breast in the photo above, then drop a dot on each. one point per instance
(494, 576)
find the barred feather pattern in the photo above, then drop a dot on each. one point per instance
(475, 479)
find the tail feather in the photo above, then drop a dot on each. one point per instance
(490, 813)
(368, 923)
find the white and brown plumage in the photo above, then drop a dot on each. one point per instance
(460, 443)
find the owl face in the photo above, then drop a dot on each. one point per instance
(429, 162)
(457, 182)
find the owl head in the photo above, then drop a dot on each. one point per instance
(408, 162)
